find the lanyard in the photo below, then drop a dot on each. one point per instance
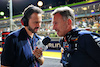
(32, 48)
(31, 45)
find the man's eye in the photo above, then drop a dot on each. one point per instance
(38, 22)
(55, 23)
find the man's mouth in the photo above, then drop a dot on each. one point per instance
(36, 27)
(57, 31)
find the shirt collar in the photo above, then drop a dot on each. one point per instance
(23, 34)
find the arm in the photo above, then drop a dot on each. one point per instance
(8, 53)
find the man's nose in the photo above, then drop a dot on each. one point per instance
(38, 24)
(53, 27)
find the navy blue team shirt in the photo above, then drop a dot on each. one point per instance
(16, 51)
(87, 53)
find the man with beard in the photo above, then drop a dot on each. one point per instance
(20, 49)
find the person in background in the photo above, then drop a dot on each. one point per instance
(80, 48)
(20, 49)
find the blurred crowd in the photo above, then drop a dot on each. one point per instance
(93, 22)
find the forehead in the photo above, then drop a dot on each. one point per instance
(36, 16)
(57, 16)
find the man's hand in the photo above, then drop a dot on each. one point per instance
(38, 53)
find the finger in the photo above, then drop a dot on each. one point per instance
(36, 47)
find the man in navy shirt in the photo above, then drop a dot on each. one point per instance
(79, 48)
(19, 45)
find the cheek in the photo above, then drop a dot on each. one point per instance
(31, 25)
(63, 26)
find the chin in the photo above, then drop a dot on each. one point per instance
(59, 35)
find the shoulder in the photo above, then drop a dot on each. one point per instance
(84, 36)
(92, 34)
(96, 38)
(14, 34)
(89, 37)
(84, 32)
(21, 33)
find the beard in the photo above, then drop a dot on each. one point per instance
(32, 30)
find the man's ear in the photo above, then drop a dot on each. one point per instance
(69, 22)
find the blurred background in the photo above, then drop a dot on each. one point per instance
(87, 15)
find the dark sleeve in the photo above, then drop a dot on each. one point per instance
(8, 54)
(91, 47)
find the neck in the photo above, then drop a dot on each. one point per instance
(29, 32)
